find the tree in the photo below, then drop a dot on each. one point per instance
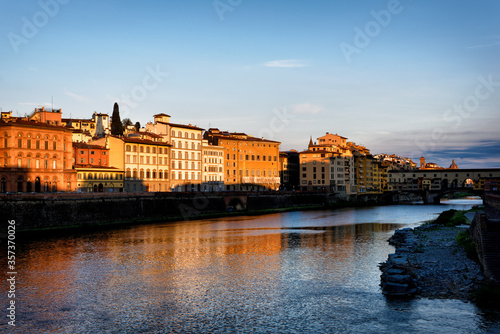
(137, 126)
(126, 122)
(116, 123)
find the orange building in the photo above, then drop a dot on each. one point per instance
(250, 163)
(48, 116)
(35, 156)
(93, 171)
(93, 155)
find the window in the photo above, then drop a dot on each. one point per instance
(19, 143)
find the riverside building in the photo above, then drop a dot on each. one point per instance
(35, 155)
(251, 163)
(328, 166)
(186, 152)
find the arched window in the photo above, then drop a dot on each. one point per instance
(173, 133)
(192, 136)
(186, 135)
(179, 134)
(127, 148)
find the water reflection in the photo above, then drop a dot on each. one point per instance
(310, 271)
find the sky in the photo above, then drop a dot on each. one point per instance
(411, 77)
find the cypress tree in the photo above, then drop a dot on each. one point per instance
(116, 123)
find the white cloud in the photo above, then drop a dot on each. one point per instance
(306, 109)
(75, 96)
(483, 45)
(286, 63)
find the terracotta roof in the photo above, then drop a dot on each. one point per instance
(93, 166)
(33, 124)
(85, 145)
(233, 136)
(144, 141)
(193, 127)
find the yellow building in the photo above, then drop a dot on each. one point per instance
(369, 174)
(98, 179)
(250, 163)
(146, 165)
(145, 162)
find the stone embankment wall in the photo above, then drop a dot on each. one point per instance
(485, 232)
(64, 210)
(492, 206)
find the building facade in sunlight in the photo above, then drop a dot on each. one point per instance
(250, 163)
(328, 165)
(36, 155)
(212, 167)
(185, 158)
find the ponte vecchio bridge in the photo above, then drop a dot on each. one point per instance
(434, 183)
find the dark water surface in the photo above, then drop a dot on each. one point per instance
(296, 272)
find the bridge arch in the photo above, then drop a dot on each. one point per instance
(236, 203)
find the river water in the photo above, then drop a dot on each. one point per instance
(295, 272)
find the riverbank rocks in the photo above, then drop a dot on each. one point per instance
(428, 262)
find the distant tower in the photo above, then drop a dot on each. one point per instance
(310, 142)
(102, 124)
(422, 162)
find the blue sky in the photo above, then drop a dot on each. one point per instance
(406, 77)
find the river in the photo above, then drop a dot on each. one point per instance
(294, 272)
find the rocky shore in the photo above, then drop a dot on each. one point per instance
(429, 263)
